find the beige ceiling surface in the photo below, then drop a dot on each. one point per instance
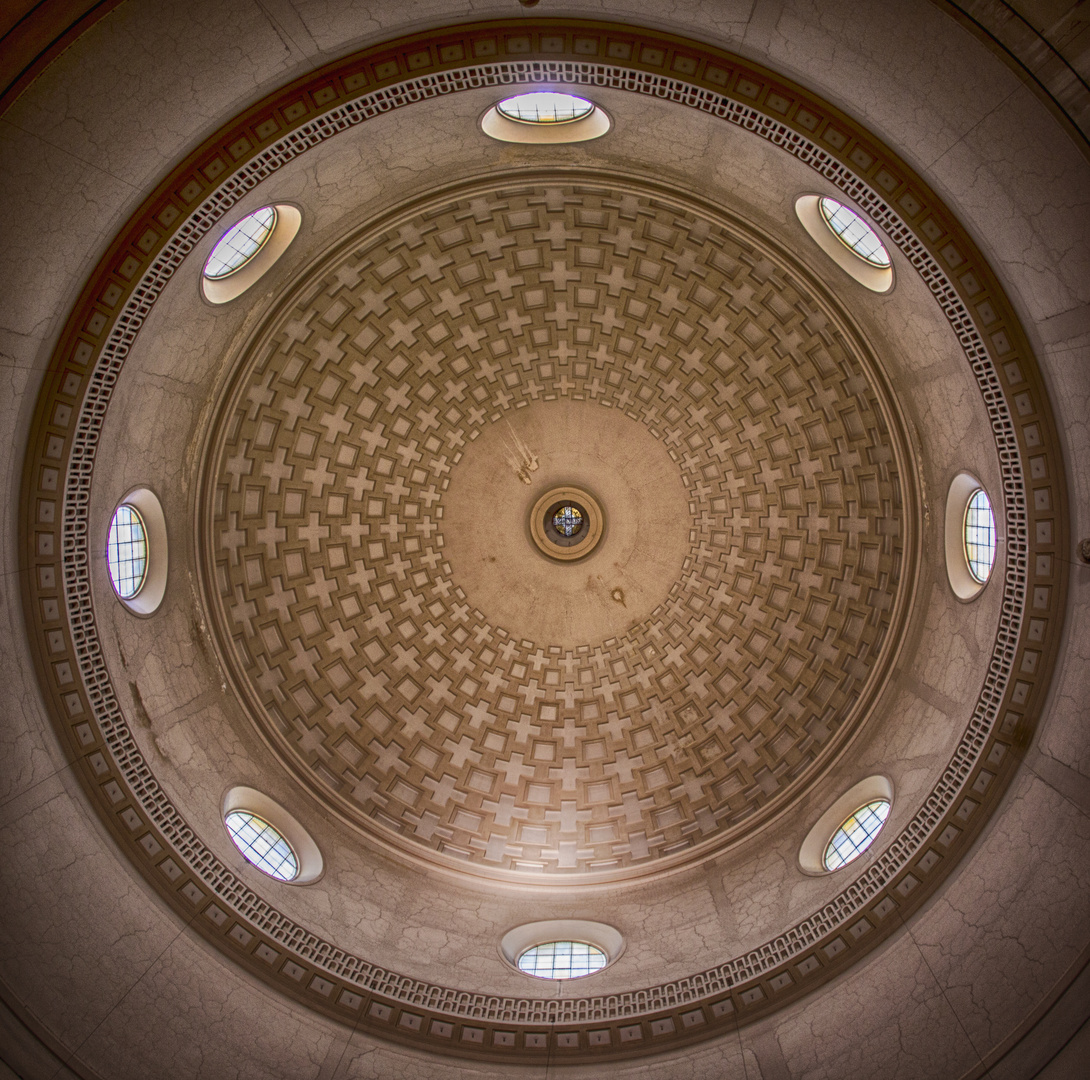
(387, 739)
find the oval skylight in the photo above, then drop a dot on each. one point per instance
(856, 834)
(854, 233)
(127, 551)
(262, 845)
(240, 243)
(562, 960)
(545, 107)
(980, 536)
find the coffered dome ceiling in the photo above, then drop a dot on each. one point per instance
(361, 622)
(407, 648)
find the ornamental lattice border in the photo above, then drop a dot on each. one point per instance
(312, 969)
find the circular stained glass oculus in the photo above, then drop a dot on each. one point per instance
(568, 520)
(562, 960)
(545, 107)
(979, 533)
(240, 243)
(856, 833)
(127, 551)
(566, 523)
(854, 233)
(262, 845)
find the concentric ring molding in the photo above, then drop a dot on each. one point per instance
(152, 246)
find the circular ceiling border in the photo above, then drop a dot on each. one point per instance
(60, 459)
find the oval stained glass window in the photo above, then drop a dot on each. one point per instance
(856, 834)
(545, 107)
(262, 845)
(854, 233)
(127, 551)
(240, 243)
(562, 960)
(980, 535)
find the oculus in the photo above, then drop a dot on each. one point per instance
(127, 551)
(846, 829)
(568, 520)
(848, 239)
(855, 834)
(561, 948)
(545, 107)
(854, 233)
(247, 251)
(979, 532)
(262, 845)
(270, 838)
(972, 538)
(562, 960)
(566, 523)
(136, 551)
(545, 116)
(241, 243)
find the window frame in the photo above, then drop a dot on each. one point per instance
(270, 229)
(308, 856)
(222, 290)
(517, 941)
(562, 941)
(256, 861)
(839, 234)
(550, 123)
(808, 210)
(871, 837)
(111, 544)
(149, 597)
(811, 855)
(965, 585)
(496, 125)
(965, 543)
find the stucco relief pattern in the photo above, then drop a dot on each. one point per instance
(368, 661)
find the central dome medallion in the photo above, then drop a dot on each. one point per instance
(566, 523)
(645, 382)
